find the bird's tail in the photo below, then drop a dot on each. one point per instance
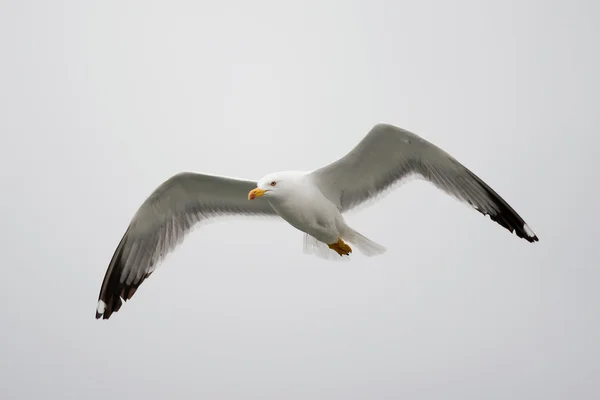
(321, 250)
(362, 243)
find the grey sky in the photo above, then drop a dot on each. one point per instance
(102, 101)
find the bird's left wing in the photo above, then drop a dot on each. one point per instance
(161, 223)
(388, 154)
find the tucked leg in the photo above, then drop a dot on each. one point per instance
(340, 247)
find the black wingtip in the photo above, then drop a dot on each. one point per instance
(113, 292)
(504, 214)
(105, 309)
(529, 235)
(508, 217)
(112, 297)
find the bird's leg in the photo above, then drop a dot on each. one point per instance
(340, 247)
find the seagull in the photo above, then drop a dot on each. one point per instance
(313, 202)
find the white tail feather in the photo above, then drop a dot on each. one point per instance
(362, 243)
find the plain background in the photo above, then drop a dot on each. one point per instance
(100, 102)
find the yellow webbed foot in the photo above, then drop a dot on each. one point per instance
(340, 247)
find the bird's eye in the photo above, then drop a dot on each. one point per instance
(273, 183)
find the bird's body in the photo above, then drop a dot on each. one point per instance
(307, 209)
(312, 202)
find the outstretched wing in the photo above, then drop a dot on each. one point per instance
(388, 154)
(161, 223)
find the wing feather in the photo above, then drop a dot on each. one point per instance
(162, 222)
(389, 154)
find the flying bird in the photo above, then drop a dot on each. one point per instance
(312, 202)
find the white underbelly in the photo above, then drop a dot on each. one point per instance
(317, 217)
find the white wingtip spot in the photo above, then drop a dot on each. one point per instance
(528, 231)
(101, 307)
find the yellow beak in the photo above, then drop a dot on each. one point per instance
(254, 193)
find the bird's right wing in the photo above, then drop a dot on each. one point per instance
(161, 223)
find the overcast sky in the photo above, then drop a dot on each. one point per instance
(100, 102)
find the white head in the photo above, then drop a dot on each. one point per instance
(276, 185)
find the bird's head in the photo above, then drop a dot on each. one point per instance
(275, 185)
